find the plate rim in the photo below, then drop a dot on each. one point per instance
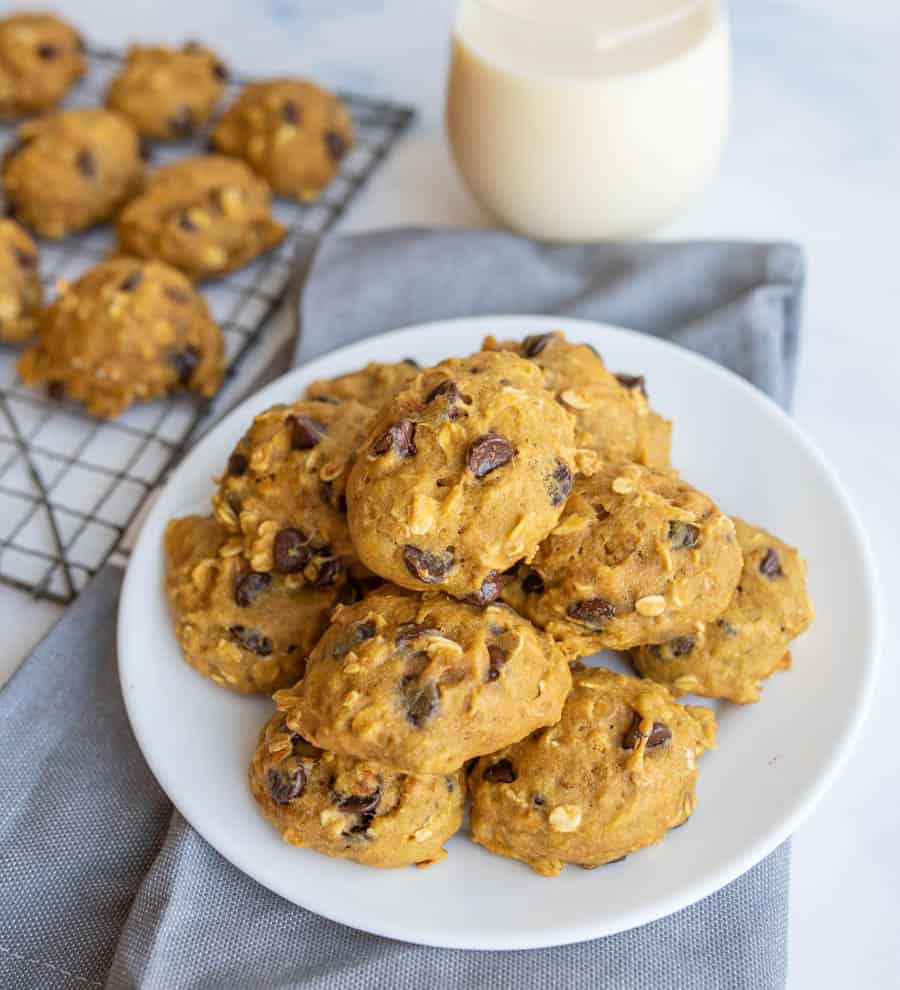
(808, 797)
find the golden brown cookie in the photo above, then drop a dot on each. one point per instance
(612, 416)
(20, 283)
(283, 489)
(168, 92)
(374, 385)
(205, 215)
(71, 170)
(128, 330)
(353, 809)
(246, 630)
(424, 682)
(40, 58)
(611, 777)
(462, 475)
(292, 132)
(639, 556)
(727, 658)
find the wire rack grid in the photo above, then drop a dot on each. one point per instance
(71, 485)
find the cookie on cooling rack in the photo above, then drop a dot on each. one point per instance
(20, 283)
(127, 330)
(40, 58)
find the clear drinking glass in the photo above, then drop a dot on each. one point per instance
(577, 120)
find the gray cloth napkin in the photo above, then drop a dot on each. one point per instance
(102, 884)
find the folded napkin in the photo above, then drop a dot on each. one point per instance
(103, 884)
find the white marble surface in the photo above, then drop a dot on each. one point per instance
(814, 157)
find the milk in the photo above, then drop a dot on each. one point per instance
(576, 120)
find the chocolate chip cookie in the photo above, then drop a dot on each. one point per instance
(247, 630)
(353, 809)
(205, 215)
(638, 557)
(283, 490)
(168, 92)
(424, 683)
(20, 283)
(374, 385)
(461, 475)
(748, 642)
(128, 330)
(40, 58)
(611, 777)
(612, 416)
(71, 170)
(290, 131)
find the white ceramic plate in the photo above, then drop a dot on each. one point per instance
(774, 761)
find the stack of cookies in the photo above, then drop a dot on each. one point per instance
(413, 563)
(134, 328)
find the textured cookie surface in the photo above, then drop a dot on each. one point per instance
(611, 777)
(167, 92)
(71, 170)
(728, 657)
(353, 809)
(205, 215)
(20, 283)
(373, 385)
(128, 330)
(245, 630)
(40, 58)
(638, 557)
(283, 489)
(462, 475)
(424, 682)
(290, 131)
(612, 416)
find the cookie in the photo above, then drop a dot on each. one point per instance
(374, 385)
(20, 283)
(353, 809)
(128, 330)
(748, 642)
(40, 58)
(638, 557)
(292, 132)
(168, 92)
(612, 415)
(71, 170)
(246, 630)
(283, 490)
(462, 475)
(206, 215)
(611, 777)
(424, 683)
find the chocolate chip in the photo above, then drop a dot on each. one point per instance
(185, 222)
(426, 566)
(501, 772)
(336, 145)
(727, 628)
(49, 52)
(401, 436)
(352, 637)
(327, 573)
(362, 825)
(238, 464)
(185, 363)
(219, 71)
(681, 646)
(633, 381)
(25, 259)
(181, 124)
(538, 800)
(131, 281)
(180, 296)
(286, 785)
(421, 699)
(532, 583)
(489, 590)
(770, 565)
(56, 390)
(412, 362)
(291, 551)
(682, 535)
(248, 586)
(290, 112)
(87, 163)
(306, 432)
(660, 734)
(358, 804)
(497, 658)
(449, 390)
(593, 612)
(252, 640)
(489, 452)
(409, 631)
(559, 484)
(532, 346)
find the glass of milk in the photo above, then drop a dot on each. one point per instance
(577, 120)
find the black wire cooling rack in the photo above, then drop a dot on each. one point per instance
(71, 485)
